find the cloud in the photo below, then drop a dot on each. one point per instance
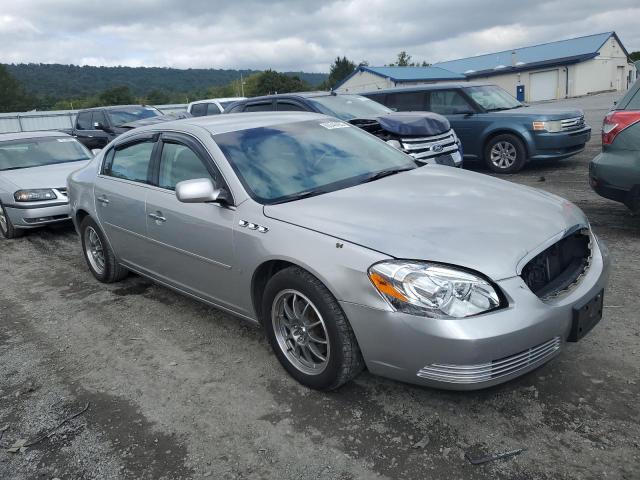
(293, 34)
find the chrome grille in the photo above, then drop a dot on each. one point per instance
(569, 124)
(428, 147)
(484, 372)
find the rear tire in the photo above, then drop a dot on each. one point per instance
(304, 324)
(7, 230)
(505, 154)
(98, 254)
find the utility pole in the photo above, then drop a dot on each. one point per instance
(241, 85)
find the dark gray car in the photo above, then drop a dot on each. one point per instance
(615, 173)
(343, 249)
(492, 125)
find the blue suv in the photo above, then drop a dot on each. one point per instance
(492, 125)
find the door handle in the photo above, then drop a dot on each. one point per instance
(103, 200)
(158, 217)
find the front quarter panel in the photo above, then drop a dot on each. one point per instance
(341, 266)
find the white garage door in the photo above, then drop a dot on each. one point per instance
(543, 85)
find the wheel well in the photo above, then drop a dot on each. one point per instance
(492, 135)
(260, 278)
(80, 216)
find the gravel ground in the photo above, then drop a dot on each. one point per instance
(179, 390)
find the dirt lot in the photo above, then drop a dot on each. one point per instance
(179, 390)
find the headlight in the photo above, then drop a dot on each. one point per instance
(35, 195)
(432, 290)
(552, 126)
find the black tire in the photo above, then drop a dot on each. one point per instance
(111, 271)
(7, 230)
(510, 145)
(344, 360)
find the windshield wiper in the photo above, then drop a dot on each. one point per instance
(497, 109)
(301, 195)
(386, 173)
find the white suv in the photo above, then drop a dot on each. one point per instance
(212, 106)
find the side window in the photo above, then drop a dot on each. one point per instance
(178, 163)
(130, 162)
(407, 101)
(199, 109)
(290, 107)
(377, 97)
(98, 117)
(83, 122)
(259, 107)
(213, 109)
(448, 102)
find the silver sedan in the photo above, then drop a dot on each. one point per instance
(34, 167)
(347, 253)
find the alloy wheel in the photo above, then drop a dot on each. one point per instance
(300, 332)
(94, 250)
(3, 221)
(503, 154)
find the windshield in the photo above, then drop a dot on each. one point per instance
(492, 98)
(130, 114)
(285, 162)
(37, 152)
(348, 107)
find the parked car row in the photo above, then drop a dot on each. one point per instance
(341, 244)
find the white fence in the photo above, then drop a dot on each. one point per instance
(54, 119)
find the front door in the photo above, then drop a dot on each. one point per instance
(120, 192)
(453, 105)
(191, 244)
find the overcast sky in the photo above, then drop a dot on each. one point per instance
(293, 34)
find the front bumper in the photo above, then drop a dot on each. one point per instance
(558, 145)
(32, 216)
(434, 352)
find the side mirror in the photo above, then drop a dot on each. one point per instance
(200, 190)
(96, 151)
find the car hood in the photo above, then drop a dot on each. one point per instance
(415, 124)
(439, 214)
(542, 112)
(48, 176)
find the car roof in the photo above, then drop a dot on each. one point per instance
(36, 134)
(291, 95)
(232, 122)
(116, 107)
(224, 99)
(430, 86)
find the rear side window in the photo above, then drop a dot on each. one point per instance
(130, 162)
(259, 107)
(448, 102)
(407, 101)
(178, 163)
(213, 109)
(199, 109)
(83, 122)
(290, 107)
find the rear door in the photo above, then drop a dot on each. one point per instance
(191, 244)
(120, 192)
(407, 101)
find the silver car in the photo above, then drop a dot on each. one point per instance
(343, 250)
(34, 167)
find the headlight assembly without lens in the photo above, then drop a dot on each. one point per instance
(433, 290)
(36, 195)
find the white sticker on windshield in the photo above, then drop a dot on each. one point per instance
(332, 125)
(66, 139)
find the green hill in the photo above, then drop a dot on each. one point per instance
(61, 82)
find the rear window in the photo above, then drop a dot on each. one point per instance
(38, 152)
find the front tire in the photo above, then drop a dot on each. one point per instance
(308, 331)
(98, 254)
(7, 230)
(505, 154)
